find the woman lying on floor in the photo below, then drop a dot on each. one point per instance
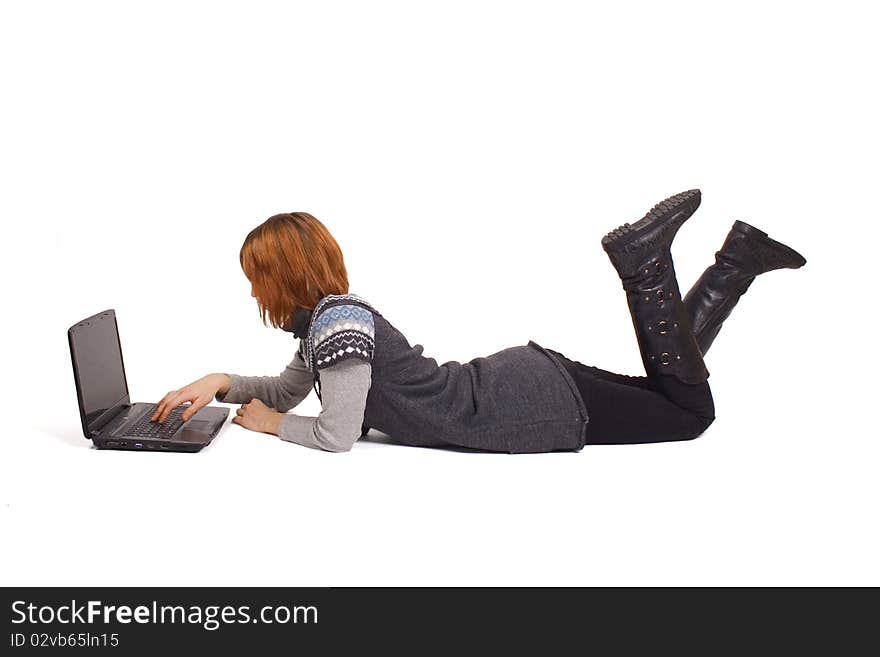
(525, 398)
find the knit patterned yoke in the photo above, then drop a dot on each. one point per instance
(342, 327)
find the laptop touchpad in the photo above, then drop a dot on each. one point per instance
(196, 431)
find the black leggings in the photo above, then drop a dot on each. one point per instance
(637, 409)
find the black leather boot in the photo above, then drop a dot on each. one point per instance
(641, 255)
(747, 252)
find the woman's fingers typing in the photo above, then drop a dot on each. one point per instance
(195, 405)
(162, 405)
(198, 393)
(169, 403)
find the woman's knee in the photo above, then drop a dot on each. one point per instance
(704, 413)
(699, 423)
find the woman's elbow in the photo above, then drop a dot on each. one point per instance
(338, 444)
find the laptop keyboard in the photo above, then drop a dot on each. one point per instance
(144, 428)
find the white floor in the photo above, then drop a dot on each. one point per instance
(769, 495)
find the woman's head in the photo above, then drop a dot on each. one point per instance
(292, 261)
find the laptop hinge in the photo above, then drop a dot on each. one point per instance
(114, 422)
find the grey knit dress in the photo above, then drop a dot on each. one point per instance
(519, 399)
(367, 375)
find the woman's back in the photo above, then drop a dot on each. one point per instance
(518, 399)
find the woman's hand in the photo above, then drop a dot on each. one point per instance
(256, 416)
(199, 393)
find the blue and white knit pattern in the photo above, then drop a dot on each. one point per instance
(341, 331)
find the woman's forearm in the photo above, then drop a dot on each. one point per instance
(345, 388)
(267, 389)
(282, 392)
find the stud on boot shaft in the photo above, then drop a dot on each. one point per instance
(632, 246)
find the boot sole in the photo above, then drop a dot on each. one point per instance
(673, 211)
(796, 259)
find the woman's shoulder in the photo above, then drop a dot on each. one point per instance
(345, 300)
(336, 312)
(343, 327)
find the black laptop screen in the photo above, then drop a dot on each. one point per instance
(99, 364)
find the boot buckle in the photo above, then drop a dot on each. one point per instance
(659, 268)
(662, 327)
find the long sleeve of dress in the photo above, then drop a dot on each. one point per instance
(344, 390)
(281, 392)
(342, 337)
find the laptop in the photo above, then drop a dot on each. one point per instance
(108, 418)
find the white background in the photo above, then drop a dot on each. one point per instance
(468, 157)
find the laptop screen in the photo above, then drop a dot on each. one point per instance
(97, 359)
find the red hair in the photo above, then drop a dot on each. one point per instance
(292, 261)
